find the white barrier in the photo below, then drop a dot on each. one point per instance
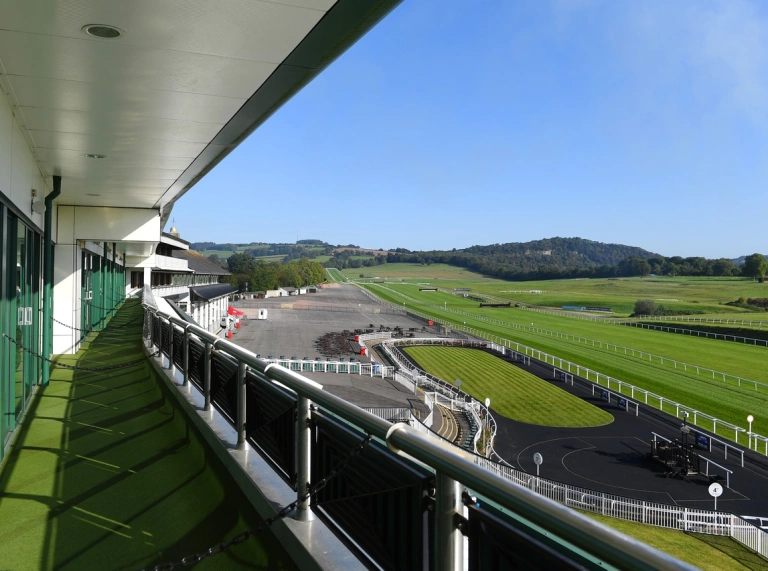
(443, 389)
(586, 372)
(343, 367)
(640, 511)
(687, 367)
(650, 513)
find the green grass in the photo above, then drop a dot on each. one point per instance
(335, 275)
(744, 360)
(107, 473)
(417, 272)
(724, 400)
(707, 552)
(222, 254)
(705, 294)
(514, 393)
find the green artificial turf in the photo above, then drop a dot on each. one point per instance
(707, 552)
(514, 393)
(107, 473)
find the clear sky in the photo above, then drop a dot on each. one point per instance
(457, 122)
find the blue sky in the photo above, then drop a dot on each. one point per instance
(456, 123)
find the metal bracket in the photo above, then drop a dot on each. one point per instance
(461, 523)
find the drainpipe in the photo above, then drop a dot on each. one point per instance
(48, 279)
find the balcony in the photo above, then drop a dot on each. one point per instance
(113, 468)
(108, 473)
(159, 262)
(169, 263)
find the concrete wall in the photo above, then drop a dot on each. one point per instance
(66, 297)
(103, 224)
(19, 173)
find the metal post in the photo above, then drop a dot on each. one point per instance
(240, 420)
(185, 357)
(160, 338)
(303, 459)
(449, 541)
(147, 331)
(171, 366)
(48, 279)
(207, 376)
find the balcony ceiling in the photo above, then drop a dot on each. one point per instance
(186, 82)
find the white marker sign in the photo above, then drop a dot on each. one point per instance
(715, 490)
(538, 459)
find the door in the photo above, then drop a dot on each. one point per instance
(23, 312)
(86, 316)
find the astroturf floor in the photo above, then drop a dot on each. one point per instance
(107, 473)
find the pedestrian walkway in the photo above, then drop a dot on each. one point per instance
(107, 473)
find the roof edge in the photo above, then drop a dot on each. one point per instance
(345, 23)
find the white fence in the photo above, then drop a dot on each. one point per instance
(691, 319)
(481, 416)
(392, 414)
(649, 513)
(343, 367)
(711, 422)
(375, 335)
(697, 333)
(643, 355)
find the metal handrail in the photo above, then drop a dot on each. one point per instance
(586, 534)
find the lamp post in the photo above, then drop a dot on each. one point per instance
(750, 418)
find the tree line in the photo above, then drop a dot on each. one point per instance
(261, 276)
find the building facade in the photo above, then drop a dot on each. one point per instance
(183, 281)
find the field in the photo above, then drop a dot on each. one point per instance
(222, 254)
(707, 552)
(703, 295)
(514, 393)
(418, 273)
(335, 275)
(608, 349)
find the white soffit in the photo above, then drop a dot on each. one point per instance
(153, 100)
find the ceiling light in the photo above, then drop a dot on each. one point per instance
(103, 31)
(95, 156)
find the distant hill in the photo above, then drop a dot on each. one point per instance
(541, 259)
(560, 252)
(740, 260)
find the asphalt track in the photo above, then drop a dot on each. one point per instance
(292, 330)
(612, 458)
(609, 458)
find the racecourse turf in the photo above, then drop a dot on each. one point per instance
(514, 393)
(107, 472)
